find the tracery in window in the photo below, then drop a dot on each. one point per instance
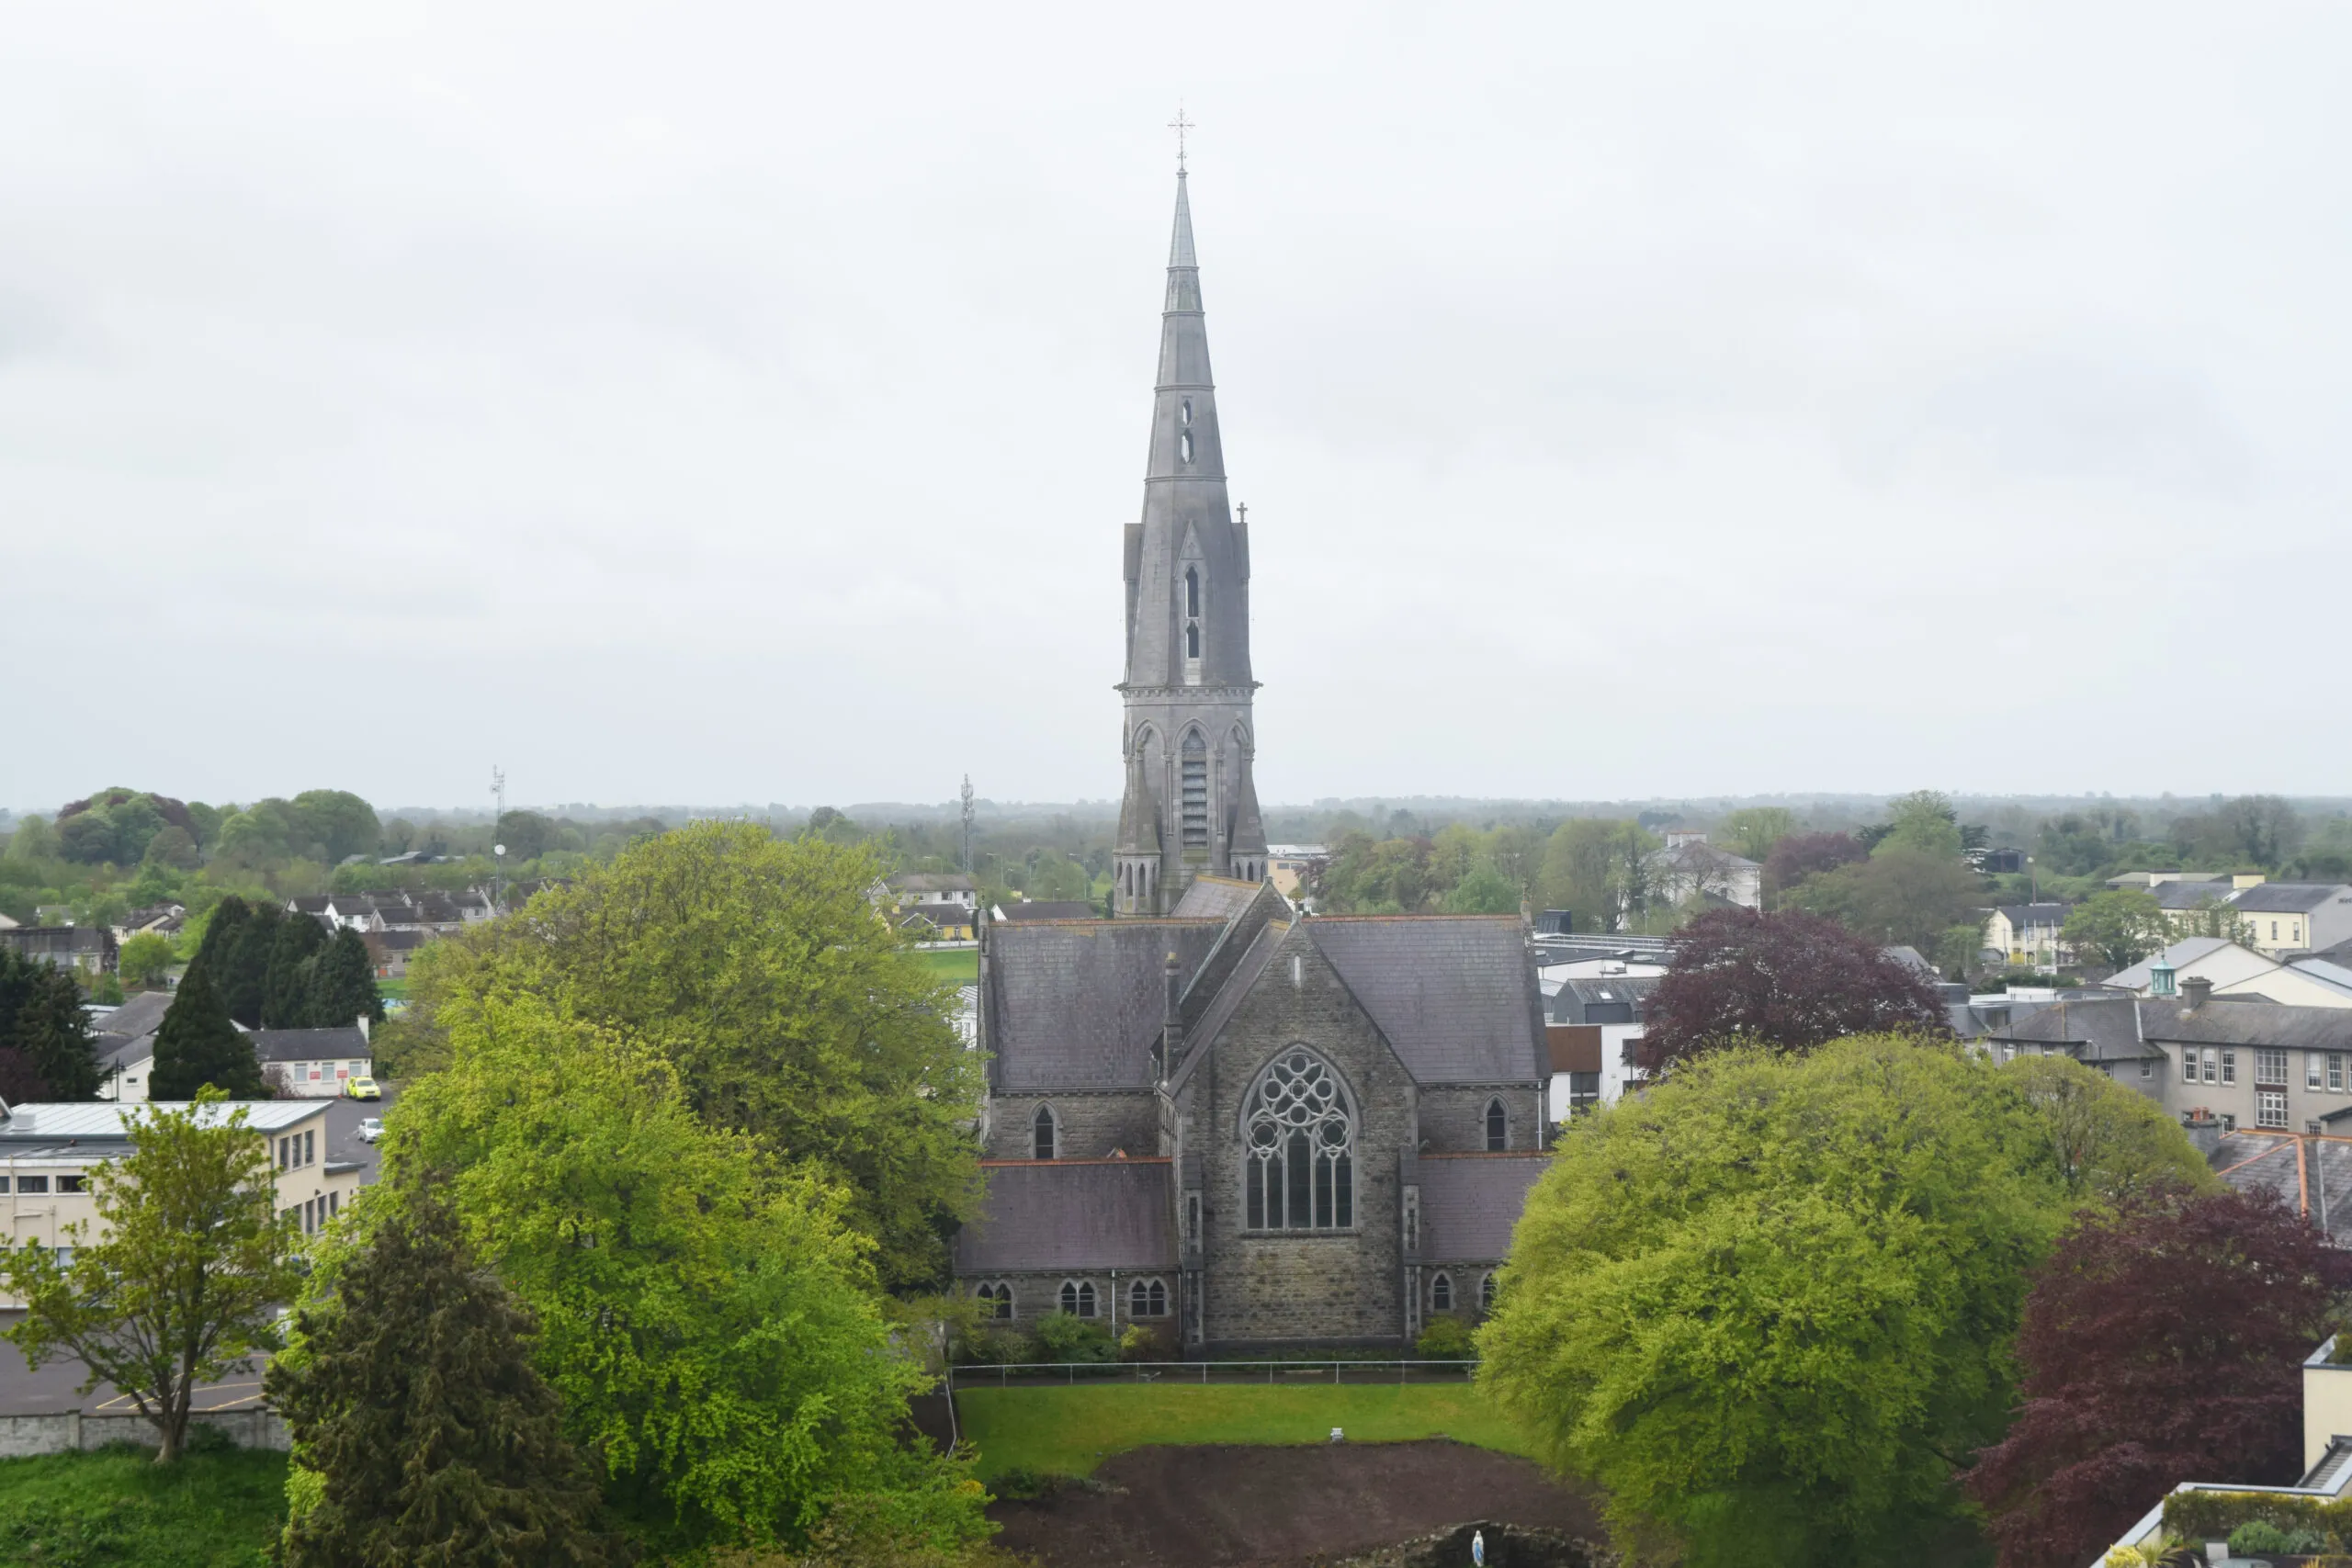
(998, 1297)
(1043, 1129)
(1298, 1140)
(1148, 1298)
(1441, 1294)
(1497, 1127)
(1077, 1298)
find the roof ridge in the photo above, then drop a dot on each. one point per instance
(1104, 1160)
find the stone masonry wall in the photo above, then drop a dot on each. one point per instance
(1302, 1285)
(1036, 1296)
(1089, 1126)
(1454, 1119)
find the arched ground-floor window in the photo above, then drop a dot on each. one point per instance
(1077, 1297)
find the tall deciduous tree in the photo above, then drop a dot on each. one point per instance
(412, 1397)
(1808, 854)
(2163, 1340)
(1902, 894)
(757, 966)
(179, 1281)
(1789, 981)
(42, 1021)
(2117, 928)
(707, 1318)
(1755, 831)
(1768, 1307)
(198, 1045)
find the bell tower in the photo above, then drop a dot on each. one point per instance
(1191, 807)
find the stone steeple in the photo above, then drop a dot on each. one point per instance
(1192, 807)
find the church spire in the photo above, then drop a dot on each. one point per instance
(1189, 804)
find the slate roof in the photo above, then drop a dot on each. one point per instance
(2313, 1175)
(104, 1120)
(2043, 914)
(2190, 894)
(2226, 1023)
(1079, 1004)
(1577, 1001)
(1049, 909)
(1469, 1203)
(2180, 956)
(308, 1044)
(1453, 993)
(141, 1014)
(2289, 897)
(1214, 898)
(2102, 1029)
(1079, 1215)
(1221, 1007)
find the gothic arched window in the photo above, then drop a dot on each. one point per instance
(1192, 591)
(1487, 1294)
(1299, 1143)
(1186, 442)
(1148, 1298)
(1497, 1127)
(1195, 781)
(1042, 1130)
(1192, 639)
(1441, 1294)
(1077, 1298)
(999, 1296)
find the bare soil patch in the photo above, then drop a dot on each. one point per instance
(1227, 1506)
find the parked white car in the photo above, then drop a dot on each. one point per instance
(370, 1129)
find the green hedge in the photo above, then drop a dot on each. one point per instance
(2212, 1515)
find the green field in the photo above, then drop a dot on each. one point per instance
(961, 965)
(1071, 1430)
(112, 1505)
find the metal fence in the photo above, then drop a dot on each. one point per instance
(1033, 1374)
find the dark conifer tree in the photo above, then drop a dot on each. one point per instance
(42, 1023)
(242, 972)
(414, 1398)
(292, 976)
(343, 984)
(198, 1046)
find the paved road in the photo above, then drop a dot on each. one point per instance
(50, 1389)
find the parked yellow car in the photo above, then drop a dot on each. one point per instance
(361, 1088)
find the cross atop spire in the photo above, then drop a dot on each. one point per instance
(1180, 125)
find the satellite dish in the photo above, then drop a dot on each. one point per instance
(498, 848)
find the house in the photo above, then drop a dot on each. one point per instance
(91, 949)
(389, 952)
(2295, 916)
(1047, 909)
(312, 1063)
(439, 914)
(125, 1038)
(2327, 1466)
(1689, 868)
(2026, 936)
(2238, 972)
(47, 1152)
(161, 919)
(916, 888)
(1592, 1028)
(939, 922)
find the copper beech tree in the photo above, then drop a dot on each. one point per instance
(2161, 1342)
(1790, 981)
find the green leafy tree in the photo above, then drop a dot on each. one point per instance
(1925, 820)
(709, 1320)
(1484, 891)
(173, 847)
(2117, 928)
(757, 967)
(1598, 869)
(179, 1281)
(42, 1021)
(1753, 831)
(422, 1431)
(145, 959)
(1767, 1307)
(1902, 896)
(33, 839)
(198, 1045)
(338, 821)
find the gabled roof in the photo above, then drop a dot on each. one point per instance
(1453, 994)
(1085, 1216)
(2290, 897)
(1049, 910)
(308, 1044)
(1079, 1004)
(1470, 1203)
(140, 1014)
(2181, 956)
(2097, 1028)
(2190, 894)
(2223, 1022)
(1214, 898)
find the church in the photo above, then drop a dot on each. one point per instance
(1212, 1115)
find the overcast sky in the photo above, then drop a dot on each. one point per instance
(677, 402)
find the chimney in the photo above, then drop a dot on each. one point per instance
(1171, 1028)
(2198, 990)
(2204, 1131)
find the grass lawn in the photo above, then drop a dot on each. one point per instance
(1073, 1429)
(112, 1505)
(961, 965)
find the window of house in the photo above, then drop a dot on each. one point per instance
(1077, 1298)
(2335, 1070)
(4, 1184)
(1299, 1142)
(2274, 930)
(2147, 1068)
(285, 1154)
(1584, 1090)
(33, 1184)
(1487, 1294)
(334, 1204)
(1148, 1298)
(2229, 1065)
(309, 1148)
(1497, 1127)
(2312, 1069)
(1441, 1294)
(2270, 1067)
(2188, 1066)
(2270, 1107)
(1042, 1129)
(64, 1257)
(73, 1184)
